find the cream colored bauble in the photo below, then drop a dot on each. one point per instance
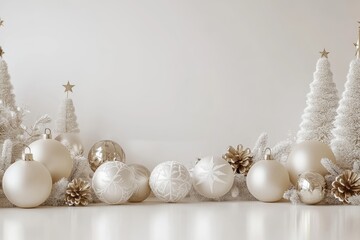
(55, 156)
(212, 177)
(104, 151)
(113, 182)
(72, 142)
(170, 181)
(27, 183)
(142, 187)
(267, 180)
(306, 157)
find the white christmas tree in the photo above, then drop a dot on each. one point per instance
(66, 122)
(322, 102)
(346, 142)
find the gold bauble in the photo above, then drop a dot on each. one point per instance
(27, 184)
(54, 156)
(306, 157)
(311, 187)
(104, 151)
(267, 180)
(142, 187)
(72, 142)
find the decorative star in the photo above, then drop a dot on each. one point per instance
(68, 88)
(1, 52)
(324, 53)
(1, 22)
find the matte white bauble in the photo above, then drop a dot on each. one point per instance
(170, 181)
(142, 187)
(27, 183)
(306, 157)
(212, 177)
(55, 157)
(113, 182)
(267, 180)
(72, 142)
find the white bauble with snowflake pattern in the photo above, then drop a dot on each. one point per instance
(212, 177)
(170, 181)
(113, 182)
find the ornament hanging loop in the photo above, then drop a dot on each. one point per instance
(27, 156)
(47, 134)
(268, 155)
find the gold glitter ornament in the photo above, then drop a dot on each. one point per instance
(78, 193)
(240, 159)
(346, 185)
(104, 151)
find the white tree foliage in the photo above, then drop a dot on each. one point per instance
(346, 142)
(322, 102)
(66, 121)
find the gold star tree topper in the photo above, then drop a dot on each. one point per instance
(68, 88)
(324, 53)
(1, 52)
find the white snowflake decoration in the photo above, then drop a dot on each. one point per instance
(170, 181)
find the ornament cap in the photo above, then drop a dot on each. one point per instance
(47, 134)
(268, 155)
(28, 156)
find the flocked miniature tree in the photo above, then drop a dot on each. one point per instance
(346, 142)
(66, 121)
(322, 102)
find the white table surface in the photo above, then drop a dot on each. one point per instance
(200, 220)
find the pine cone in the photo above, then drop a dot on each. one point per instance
(78, 193)
(346, 185)
(240, 159)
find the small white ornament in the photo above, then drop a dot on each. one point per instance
(53, 155)
(170, 181)
(113, 182)
(27, 183)
(268, 179)
(142, 188)
(213, 177)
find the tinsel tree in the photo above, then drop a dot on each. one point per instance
(322, 102)
(346, 142)
(66, 121)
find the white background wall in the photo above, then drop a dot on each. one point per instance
(174, 80)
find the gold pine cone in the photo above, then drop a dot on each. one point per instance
(78, 193)
(346, 185)
(240, 159)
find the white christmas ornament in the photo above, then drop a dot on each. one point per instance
(53, 155)
(212, 177)
(27, 183)
(346, 141)
(268, 179)
(322, 102)
(170, 181)
(113, 182)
